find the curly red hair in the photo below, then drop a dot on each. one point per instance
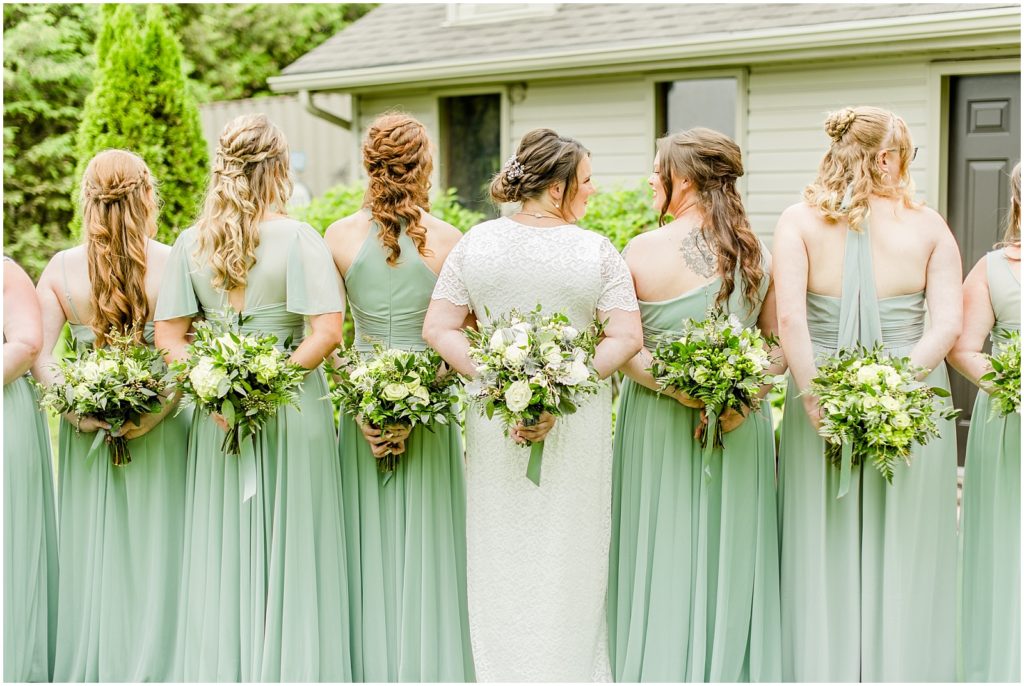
(396, 155)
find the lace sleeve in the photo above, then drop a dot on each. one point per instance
(617, 292)
(451, 285)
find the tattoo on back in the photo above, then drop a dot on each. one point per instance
(700, 257)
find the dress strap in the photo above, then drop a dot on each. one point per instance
(67, 291)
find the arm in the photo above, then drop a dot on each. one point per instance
(23, 325)
(945, 303)
(172, 335)
(442, 330)
(326, 334)
(966, 356)
(768, 323)
(623, 339)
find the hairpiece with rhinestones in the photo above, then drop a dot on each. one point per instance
(513, 168)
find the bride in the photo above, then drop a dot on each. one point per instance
(538, 555)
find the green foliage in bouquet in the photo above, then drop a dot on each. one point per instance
(244, 377)
(874, 409)
(717, 361)
(528, 364)
(118, 384)
(394, 387)
(1003, 382)
(141, 102)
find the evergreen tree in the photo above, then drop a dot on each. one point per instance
(141, 103)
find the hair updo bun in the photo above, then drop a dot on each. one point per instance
(838, 123)
(542, 160)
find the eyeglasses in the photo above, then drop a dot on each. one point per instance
(913, 153)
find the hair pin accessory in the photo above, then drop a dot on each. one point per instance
(513, 168)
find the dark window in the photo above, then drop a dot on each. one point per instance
(697, 102)
(471, 153)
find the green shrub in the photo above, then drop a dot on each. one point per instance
(343, 200)
(141, 102)
(620, 214)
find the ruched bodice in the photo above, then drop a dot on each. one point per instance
(901, 320)
(388, 304)
(1004, 293)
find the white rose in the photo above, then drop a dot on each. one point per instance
(497, 343)
(901, 420)
(515, 355)
(892, 378)
(889, 403)
(517, 396)
(569, 333)
(89, 371)
(551, 353)
(395, 392)
(265, 367)
(209, 381)
(107, 367)
(758, 356)
(522, 327)
(870, 402)
(578, 370)
(868, 374)
(418, 391)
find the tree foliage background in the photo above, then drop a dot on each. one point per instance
(49, 65)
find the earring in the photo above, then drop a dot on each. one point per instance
(557, 205)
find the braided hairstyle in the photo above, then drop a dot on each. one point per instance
(542, 160)
(396, 155)
(712, 162)
(848, 174)
(249, 179)
(119, 211)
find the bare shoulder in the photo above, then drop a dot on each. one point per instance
(350, 229)
(442, 234)
(68, 261)
(799, 217)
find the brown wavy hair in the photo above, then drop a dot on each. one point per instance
(544, 159)
(848, 174)
(119, 212)
(712, 162)
(249, 178)
(396, 155)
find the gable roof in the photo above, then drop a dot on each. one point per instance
(396, 42)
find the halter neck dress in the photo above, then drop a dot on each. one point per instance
(867, 579)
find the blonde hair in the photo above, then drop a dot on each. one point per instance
(712, 162)
(1012, 235)
(119, 212)
(849, 174)
(249, 178)
(396, 154)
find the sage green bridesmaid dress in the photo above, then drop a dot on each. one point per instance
(30, 538)
(407, 532)
(121, 546)
(868, 579)
(264, 588)
(693, 591)
(989, 621)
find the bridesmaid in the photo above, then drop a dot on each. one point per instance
(120, 527)
(989, 606)
(867, 579)
(408, 533)
(30, 526)
(263, 584)
(694, 586)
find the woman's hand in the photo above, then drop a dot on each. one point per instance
(220, 421)
(387, 441)
(813, 410)
(730, 420)
(535, 432)
(86, 424)
(131, 430)
(684, 399)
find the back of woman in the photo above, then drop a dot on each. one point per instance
(129, 564)
(708, 507)
(864, 264)
(264, 590)
(407, 526)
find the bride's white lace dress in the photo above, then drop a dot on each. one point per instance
(538, 556)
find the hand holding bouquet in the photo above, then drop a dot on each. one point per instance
(874, 409)
(717, 361)
(117, 384)
(243, 377)
(1003, 382)
(529, 364)
(391, 387)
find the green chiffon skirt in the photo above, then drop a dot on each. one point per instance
(30, 539)
(989, 619)
(693, 582)
(406, 542)
(121, 545)
(868, 580)
(264, 588)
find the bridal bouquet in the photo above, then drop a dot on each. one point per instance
(244, 377)
(388, 387)
(874, 409)
(1003, 382)
(718, 361)
(118, 383)
(528, 364)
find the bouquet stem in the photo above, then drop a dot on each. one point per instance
(119, 455)
(387, 465)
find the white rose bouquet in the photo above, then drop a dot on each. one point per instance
(1003, 382)
(874, 409)
(118, 384)
(717, 361)
(529, 364)
(244, 377)
(389, 387)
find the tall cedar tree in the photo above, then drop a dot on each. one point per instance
(141, 103)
